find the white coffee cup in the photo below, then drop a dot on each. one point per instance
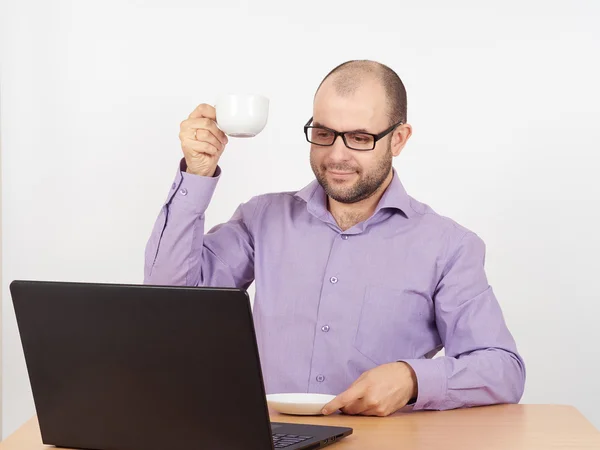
(242, 115)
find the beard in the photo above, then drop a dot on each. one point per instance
(364, 187)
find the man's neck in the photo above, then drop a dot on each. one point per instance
(349, 214)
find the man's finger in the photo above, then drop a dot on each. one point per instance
(204, 110)
(345, 398)
(378, 410)
(206, 136)
(190, 125)
(356, 407)
(197, 147)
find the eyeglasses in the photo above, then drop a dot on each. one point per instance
(354, 140)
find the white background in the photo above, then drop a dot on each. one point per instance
(503, 98)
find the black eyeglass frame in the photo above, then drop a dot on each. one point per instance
(376, 137)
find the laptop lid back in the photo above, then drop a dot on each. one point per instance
(133, 367)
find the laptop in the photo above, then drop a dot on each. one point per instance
(138, 367)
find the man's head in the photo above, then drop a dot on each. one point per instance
(366, 96)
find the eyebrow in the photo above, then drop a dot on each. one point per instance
(358, 130)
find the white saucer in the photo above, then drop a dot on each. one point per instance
(301, 404)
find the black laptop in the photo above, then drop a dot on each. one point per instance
(136, 367)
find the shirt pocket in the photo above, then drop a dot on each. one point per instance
(392, 324)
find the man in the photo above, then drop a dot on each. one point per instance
(358, 285)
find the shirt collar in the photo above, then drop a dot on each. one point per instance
(395, 197)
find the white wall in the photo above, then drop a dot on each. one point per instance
(503, 97)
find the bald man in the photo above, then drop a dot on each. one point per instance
(358, 285)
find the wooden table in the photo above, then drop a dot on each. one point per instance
(507, 427)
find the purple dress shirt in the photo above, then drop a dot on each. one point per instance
(332, 304)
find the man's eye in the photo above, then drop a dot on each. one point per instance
(361, 138)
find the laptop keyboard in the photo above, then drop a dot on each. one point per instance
(285, 440)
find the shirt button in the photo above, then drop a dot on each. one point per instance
(325, 328)
(320, 378)
(183, 191)
(173, 186)
(333, 280)
(345, 237)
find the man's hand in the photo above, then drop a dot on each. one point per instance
(202, 141)
(378, 392)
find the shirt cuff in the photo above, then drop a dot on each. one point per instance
(431, 382)
(193, 192)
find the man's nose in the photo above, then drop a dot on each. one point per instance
(339, 151)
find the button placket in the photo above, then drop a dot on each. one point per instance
(323, 342)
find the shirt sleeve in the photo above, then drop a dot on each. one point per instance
(481, 365)
(178, 251)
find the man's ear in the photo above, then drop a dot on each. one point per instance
(400, 137)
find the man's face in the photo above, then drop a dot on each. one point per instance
(349, 176)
